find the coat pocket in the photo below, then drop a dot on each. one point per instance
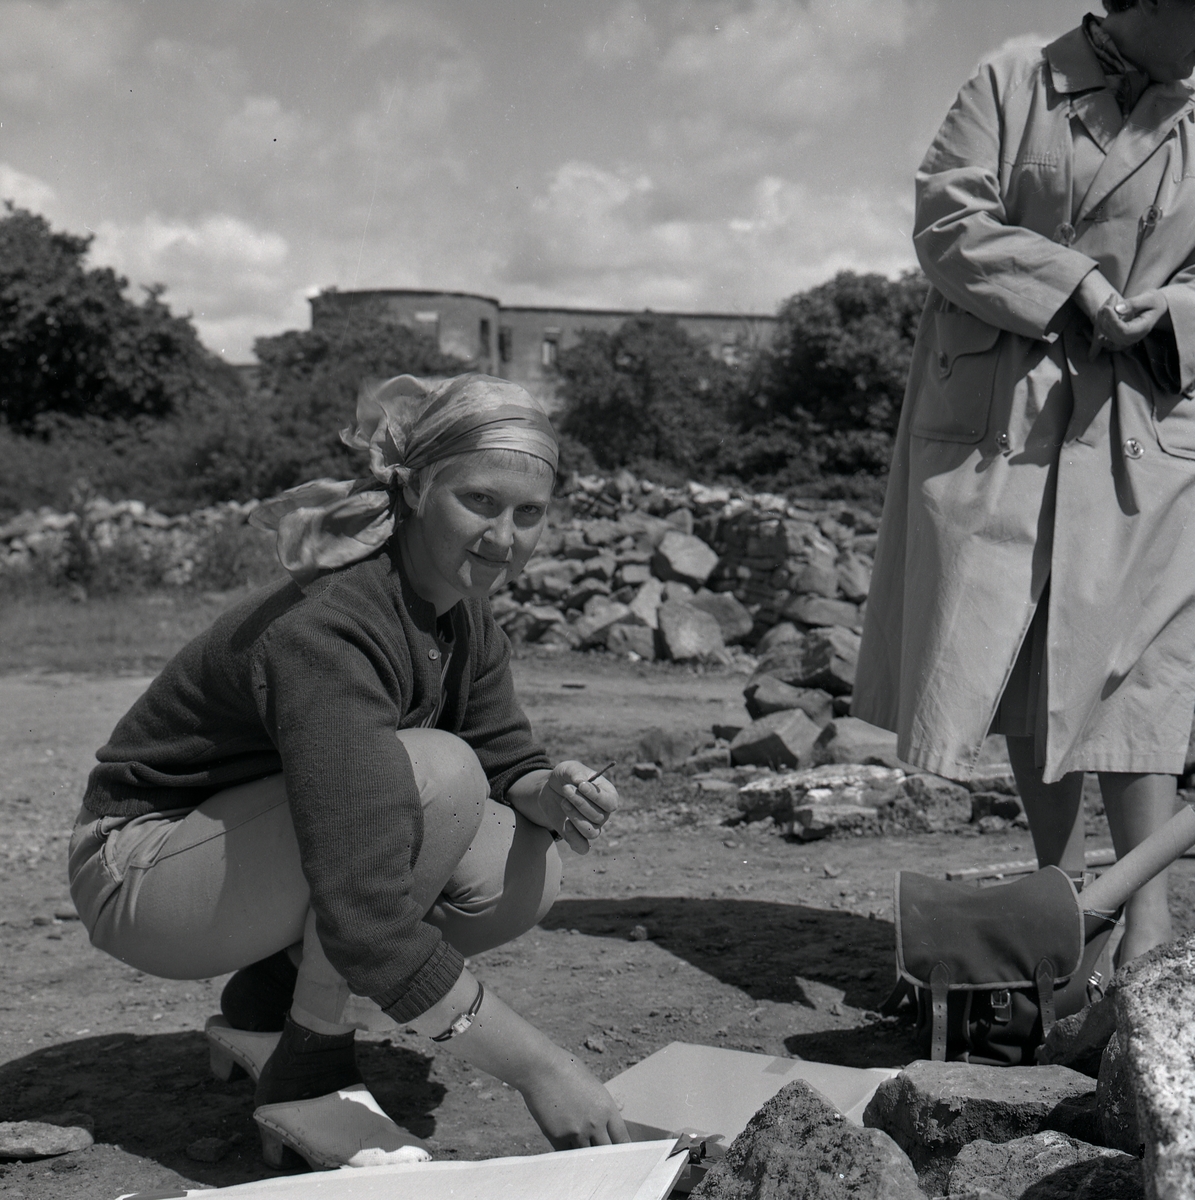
(955, 392)
(1174, 424)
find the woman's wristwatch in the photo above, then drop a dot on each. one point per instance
(465, 1019)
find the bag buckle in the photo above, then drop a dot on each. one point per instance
(1002, 1006)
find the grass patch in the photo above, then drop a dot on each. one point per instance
(45, 630)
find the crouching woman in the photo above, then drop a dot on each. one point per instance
(333, 792)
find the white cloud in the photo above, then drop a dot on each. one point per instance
(233, 278)
(591, 237)
(625, 34)
(25, 191)
(49, 49)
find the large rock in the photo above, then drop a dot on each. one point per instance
(631, 639)
(854, 577)
(783, 631)
(767, 695)
(733, 619)
(1154, 1000)
(645, 605)
(819, 578)
(812, 822)
(779, 740)
(600, 613)
(823, 659)
(821, 610)
(1116, 1102)
(849, 740)
(946, 804)
(666, 746)
(41, 1139)
(798, 1147)
(933, 1109)
(778, 796)
(688, 633)
(685, 558)
(1079, 1041)
(1053, 1165)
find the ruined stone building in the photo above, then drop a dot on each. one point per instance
(521, 342)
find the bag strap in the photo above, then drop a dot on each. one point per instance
(1044, 978)
(902, 990)
(939, 990)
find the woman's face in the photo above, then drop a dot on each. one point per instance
(479, 525)
(1158, 36)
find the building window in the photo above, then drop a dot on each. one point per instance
(548, 352)
(506, 343)
(730, 354)
(483, 334)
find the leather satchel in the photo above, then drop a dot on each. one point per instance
(991, 969)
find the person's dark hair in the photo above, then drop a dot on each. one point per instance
(1113, 6)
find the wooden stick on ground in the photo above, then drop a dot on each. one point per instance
(1141, 864)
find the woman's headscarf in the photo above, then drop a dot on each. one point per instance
(405, 424)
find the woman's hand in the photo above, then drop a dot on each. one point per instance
(1118, 321)
(1124, 321)
(572, 1108)
(576, 806)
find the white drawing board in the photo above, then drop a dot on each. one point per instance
(639, 1171)
(713, 1093)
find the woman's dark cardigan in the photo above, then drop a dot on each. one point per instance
(314, 683)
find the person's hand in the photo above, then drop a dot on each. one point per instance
(584, 806)
(1124, 321)
(572, 1108)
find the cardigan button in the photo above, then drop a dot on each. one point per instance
(1133, 448)
(1153, 214)
(433, 654)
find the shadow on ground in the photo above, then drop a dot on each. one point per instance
(153, 1096)
(760, 947)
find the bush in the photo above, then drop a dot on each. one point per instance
(72, 343)
(649, 396)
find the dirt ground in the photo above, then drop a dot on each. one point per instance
(754, 943)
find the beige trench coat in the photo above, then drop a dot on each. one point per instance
(1019, 460)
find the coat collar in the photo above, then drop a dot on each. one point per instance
(1075, 69)
(1073, 64)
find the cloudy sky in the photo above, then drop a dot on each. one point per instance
(711, 155)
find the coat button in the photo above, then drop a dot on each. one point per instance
(1133, 448)
(433, 654)
(1153, 214)
(943, 361)
(1003, 441)
(1065, 233)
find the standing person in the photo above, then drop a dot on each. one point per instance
(333, 791)
(1035, 574)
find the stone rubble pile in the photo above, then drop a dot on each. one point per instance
(963, 1131)
(46, 540)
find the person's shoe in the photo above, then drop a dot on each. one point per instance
(258, 997)
(306, 1064)
(234, 1052)
(346, 1128)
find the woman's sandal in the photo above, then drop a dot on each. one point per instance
(342, 1129)
(232, 1050)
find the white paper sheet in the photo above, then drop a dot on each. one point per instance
(639, 1171)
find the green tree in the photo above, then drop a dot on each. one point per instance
(306, 392)
(837, 367)
(649, 395)
(72, 345)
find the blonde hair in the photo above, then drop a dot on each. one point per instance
(509, 460)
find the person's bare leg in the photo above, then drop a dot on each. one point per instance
(1136, 806)
(1055, 810)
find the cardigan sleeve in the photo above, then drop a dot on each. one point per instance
(1007, 275)
(494, 725)
(327, 694)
